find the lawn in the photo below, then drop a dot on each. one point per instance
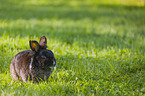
(99, 46)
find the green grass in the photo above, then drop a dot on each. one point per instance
(99, 46)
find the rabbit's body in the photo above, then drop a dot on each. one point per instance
(19, 67)
(32, 64)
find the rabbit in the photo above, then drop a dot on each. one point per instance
(34, 64)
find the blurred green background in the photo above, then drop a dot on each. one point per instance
(99, 45)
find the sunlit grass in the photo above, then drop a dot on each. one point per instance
(99, 45)
(87, 2)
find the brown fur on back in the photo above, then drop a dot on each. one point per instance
(20, 65)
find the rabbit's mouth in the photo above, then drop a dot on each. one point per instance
(45, 64)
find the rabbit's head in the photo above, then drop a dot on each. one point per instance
(42, 57)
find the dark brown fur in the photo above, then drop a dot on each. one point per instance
(33, 64)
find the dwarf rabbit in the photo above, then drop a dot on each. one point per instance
(33, 64)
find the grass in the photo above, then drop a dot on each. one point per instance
(99, 46)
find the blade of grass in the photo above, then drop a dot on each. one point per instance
(111, 66)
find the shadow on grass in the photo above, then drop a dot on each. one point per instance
(83, 11)
(66, 11)
(80, 36)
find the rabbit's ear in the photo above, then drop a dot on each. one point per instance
(43, 42)
(34, 45)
